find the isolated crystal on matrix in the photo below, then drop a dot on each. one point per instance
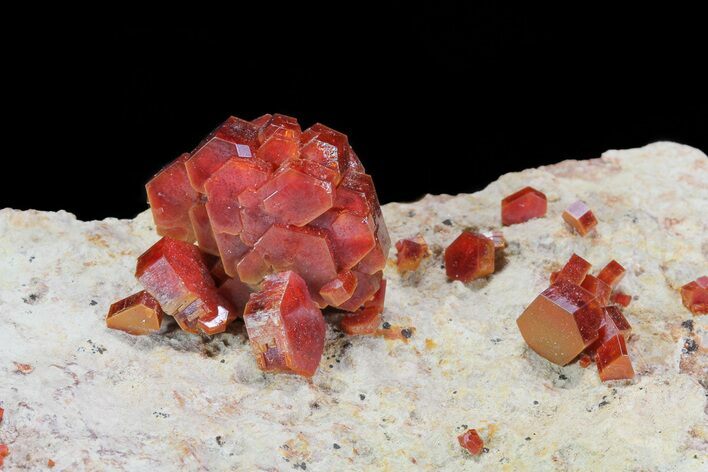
(521, 206)
(266, 196)
(469, 257)
(561, 322)
(694, 296)
(410, 253)
(285, 327)
(137, 314)
(471, 441)
(580, 217)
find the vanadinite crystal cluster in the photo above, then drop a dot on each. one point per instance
(574, 318)
(287, 222)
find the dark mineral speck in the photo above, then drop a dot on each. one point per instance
(219, 440)
(362, 396)
(447, 222)
(690, 346)
(336, 446)
(688, 324)
(406, 333)
(386, 325)
(93, 303)
(562, 377)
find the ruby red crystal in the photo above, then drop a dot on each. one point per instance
(175, 274)
(579, 216)
(285, 327)
(694, 296)
(471, 441)
(613, 362)
(561, 322)
(497, 238)
(621, 298)
(574, 271)
(410, 253)
(279, 198)
(137, 314)
(612, 273)
(522, 206)
(340, 289)
(171, 196)
(367, 319)
(469, 257)
(598, 288)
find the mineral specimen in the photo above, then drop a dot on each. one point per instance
(410, 253)
(171, 197)
(367, 319)
(612, 273)
(497, 238)
(175, 274)
(580, 218)
(561, 322)
(621, 299)
(574, 271)
(598, 288)
(4, 452)
(268, 197)
(137, 314)
(471, 441)
(469, 257)
(613, 361)
(522, 206)
(695, 296)
(285, 327)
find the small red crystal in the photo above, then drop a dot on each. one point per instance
(175, 274)
(579, 216)
(613, 323)
(613, 362)
(522, 206)
(285, 327)
(340, 289)
(137, 314)
(4, 452)
(585, 360)
(621, 299)
(497, 238)
(695, 296)
(469, 257)
(574, 271)
(597, 287)
(561, 322)
(410, 253)
(2, 413)
(202, 229)
(612, 273)
(471, 441)
(171, 196)
(367, 319)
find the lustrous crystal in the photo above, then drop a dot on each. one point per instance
(613, 362)
(574, 271)
(340, 289)
(137, 314)
(175, 274)
(202, 229)
(613, 323)
(621, 298)
(471, 441)
(469, 257)
(598, 288)
(285, 327)
(366, 320)
(695, 296)
(410, 253)
(171, 197)
(522, 206)
(579, 216)
(497, 238)
(612, 273)
(561, 322)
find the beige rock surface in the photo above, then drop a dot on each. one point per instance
(98, 399)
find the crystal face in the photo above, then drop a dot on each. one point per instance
(598, 288)
(471, 441)
(694, 296)
(613, 362)
(621, 299)
(522, 206)
(175, 274)
(469, 257)
(285, 327)
(574, 271)
(579, 216)
(410, 253)
(612, 273)
(171, 196)
(561, 322)
(367, 319)
(266, 196)
(137, 314)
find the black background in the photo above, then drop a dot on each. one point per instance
(435, 99)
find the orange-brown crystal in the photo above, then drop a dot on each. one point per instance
(469, 257)
(471, 441)
(410, 253)
(695, 296)
(561, 322)
(579, 216)
(613, 362)
(137, 314)
(574, 271)
(612, 273)
(522, 206)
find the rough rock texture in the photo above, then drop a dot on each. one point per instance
(100, 399)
